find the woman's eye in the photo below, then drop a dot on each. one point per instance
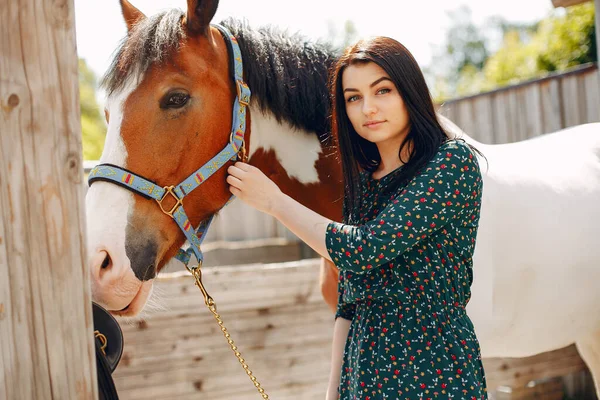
(352, 98)
(175, 100)
(383, 91)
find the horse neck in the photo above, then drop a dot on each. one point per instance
(289, 138)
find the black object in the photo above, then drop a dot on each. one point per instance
(108, 338)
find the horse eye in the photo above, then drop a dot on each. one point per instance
(174, 100)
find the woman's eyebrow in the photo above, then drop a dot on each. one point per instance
(383, 78)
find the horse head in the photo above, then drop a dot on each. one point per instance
(169, 110)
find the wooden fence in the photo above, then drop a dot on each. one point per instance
(529, 109)
(283, 328)
(275, 315)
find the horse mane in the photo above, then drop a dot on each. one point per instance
(287, 73)
(152, 41)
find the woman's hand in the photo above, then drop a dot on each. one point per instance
(258, 191)
(252, 186)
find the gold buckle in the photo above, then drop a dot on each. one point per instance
(169, 190)
(239, 85)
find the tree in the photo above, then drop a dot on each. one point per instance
(558, 42)
(93, 128)
(464, 52)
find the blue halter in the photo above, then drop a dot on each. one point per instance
(150, 190)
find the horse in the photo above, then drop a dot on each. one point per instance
(169, 110)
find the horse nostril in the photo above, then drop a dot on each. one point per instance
(150, 273)
(106, 262)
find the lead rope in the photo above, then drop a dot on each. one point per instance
(212, 307)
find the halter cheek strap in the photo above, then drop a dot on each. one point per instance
(231, 152)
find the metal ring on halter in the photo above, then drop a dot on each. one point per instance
(192, 269)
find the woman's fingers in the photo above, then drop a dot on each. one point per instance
(243, 166)
(235, 171)
(234, 191)
(234, 181)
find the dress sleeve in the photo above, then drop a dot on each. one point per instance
(448, 184)
(344, 310)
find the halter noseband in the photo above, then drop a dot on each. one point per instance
(150, 190)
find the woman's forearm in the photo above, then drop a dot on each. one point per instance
(309, 226)
(340, 335)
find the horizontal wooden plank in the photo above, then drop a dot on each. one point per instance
(551, 389)
(272, 368)
(253, 329)
(517, 372)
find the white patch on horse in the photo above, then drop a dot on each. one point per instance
(108, 205)
(537, 239)
(297, 150)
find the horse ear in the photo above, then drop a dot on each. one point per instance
(199, 15)
(131, 14)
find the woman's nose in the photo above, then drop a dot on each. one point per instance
(369, 107)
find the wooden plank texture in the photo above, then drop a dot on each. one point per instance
(281, 325)
(46, 335)
(529, 109)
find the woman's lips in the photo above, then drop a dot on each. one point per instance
(373, 124)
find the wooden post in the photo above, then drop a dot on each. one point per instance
(46, 334)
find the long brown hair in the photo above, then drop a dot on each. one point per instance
(425, 134)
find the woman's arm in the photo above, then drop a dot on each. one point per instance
(340, 334)
(257, 190)
(303, 222)
(447, 185)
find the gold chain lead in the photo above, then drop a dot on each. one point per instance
(212, 307)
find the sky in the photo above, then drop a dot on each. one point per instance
(420, 25)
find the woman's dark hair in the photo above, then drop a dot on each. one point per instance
(425, 133)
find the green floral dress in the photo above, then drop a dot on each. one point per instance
(405, 277)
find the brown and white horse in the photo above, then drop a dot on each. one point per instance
(169, 108)
(169, 105)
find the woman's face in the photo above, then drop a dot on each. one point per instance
(374, 105)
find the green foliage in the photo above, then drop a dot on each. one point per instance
(558, 42)
(93, 128)
(568, 41)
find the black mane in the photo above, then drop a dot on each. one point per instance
(287, 74)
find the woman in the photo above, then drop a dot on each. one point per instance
(404, 249)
